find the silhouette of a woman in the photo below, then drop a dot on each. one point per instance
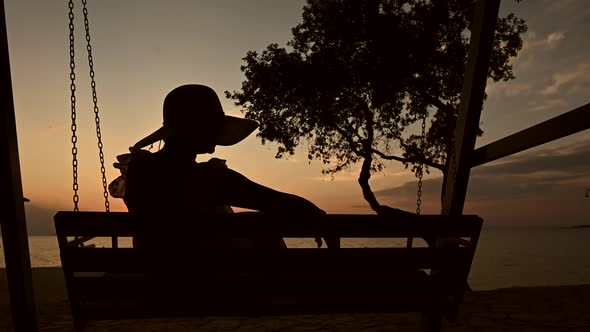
(170, 180)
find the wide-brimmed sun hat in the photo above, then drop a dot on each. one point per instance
(194, 112)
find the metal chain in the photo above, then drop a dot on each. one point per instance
(419, 173)
(453, 164)
(420, 170)
(95, 101)
(73, 105)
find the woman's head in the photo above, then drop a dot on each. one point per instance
(193, 116)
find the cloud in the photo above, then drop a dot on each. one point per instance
(580, 74)
(531, 59)
(531, 41)
(535, 49)
(342, 176)
(549, 104)
(573, 160)
(560, 6)
(554, 38)
(508, 89)
(51, 129)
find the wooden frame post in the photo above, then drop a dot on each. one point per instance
(12, 218)
(483, 27)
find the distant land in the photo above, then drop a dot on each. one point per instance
(580, 226)
(39, 220)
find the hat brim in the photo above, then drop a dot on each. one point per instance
(234, 131)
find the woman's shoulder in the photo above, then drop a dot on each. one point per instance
(211, 167)
(216, 170)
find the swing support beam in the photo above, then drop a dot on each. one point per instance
(474, 85)
(12, 220)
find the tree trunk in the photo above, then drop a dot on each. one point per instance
(369, 196)
(363, 180)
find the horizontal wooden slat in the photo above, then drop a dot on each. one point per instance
(343, 305)
(127, 260)
(255, 286)
(265, 225)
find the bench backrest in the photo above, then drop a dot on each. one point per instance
(121, 224)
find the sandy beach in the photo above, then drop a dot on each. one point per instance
(561, 308)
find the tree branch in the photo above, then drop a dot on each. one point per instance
(434, 101)
(388, 157)
(424, 161)
(407, 160)
(363, 180)
(348, 137)
(365, 173)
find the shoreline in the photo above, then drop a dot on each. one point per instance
(547, 308)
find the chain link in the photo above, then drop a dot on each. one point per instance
(420, 170)
(76, 198)
(96, 110)
(419, 174)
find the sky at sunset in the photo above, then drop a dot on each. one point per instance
(143, 49)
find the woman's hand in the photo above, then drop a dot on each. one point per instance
(331, 242)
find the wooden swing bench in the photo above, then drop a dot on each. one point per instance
(125, 283)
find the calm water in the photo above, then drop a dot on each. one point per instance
(504, 257)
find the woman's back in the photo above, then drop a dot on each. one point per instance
(161, 188)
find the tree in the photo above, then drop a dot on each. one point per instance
(358, 77)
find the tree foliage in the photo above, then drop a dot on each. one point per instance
(358, 77)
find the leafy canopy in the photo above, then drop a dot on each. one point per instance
(358, 77)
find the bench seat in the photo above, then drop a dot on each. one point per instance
(117, 283)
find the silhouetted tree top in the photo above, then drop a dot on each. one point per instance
(358, 76)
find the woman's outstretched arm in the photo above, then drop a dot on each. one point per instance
(239, 191)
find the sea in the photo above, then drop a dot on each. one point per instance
(505, 256)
